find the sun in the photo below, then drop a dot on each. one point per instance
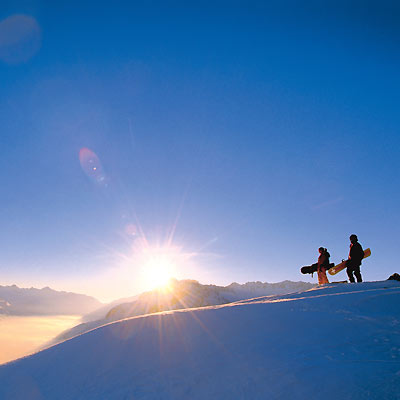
(158, 267)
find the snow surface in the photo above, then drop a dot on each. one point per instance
(332, 342)
(181, 294)
(191, 294)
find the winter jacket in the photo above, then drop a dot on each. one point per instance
(356, 253)
(323, 260)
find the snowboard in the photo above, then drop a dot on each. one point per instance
(310, 269)
(340, 267)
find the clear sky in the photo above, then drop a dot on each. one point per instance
(230, 138)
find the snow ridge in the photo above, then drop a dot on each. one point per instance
(180, 295)
(330, 342)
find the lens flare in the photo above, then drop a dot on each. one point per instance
(131, 230)
(20, 39)
(92, 167)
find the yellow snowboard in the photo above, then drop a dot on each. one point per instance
(340, 267)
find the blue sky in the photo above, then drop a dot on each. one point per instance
(255, 132)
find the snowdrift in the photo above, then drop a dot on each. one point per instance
(331, 342)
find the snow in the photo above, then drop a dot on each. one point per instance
(182, 294)
(331, 342)
(190, 294)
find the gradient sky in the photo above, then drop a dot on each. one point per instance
(244, 135)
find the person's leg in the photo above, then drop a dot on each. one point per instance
(322, 278)
(319, 278)
(350, 274)
(357, 273)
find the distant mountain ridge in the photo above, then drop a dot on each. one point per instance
(99, 313)
(46, 301)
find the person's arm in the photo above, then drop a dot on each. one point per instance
(361, 251)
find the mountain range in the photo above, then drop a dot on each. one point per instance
(46, 301)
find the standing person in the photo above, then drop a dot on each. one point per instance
(323, 265)
(354, 262)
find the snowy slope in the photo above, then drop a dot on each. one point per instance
(332, 342)
(181, 294)
(190, 293)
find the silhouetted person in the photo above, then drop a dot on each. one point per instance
(355, 256)
(323, 265)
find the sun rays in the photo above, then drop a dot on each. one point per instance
(159, 266)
